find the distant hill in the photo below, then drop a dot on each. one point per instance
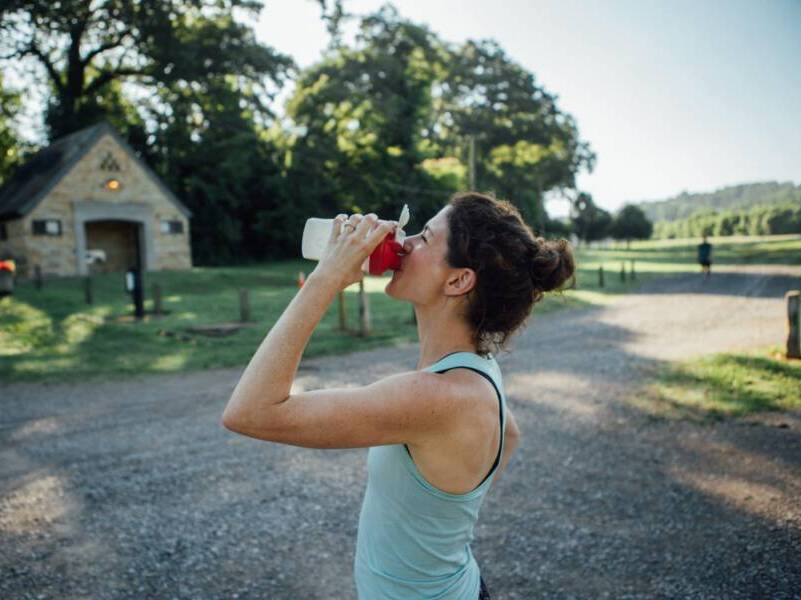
(733, 197)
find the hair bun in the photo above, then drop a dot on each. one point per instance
(552, 264)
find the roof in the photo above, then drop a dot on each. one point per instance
(31, 182)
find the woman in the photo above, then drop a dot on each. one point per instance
(439, 435)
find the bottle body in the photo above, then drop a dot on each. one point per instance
(317, 232)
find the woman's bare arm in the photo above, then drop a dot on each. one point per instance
(512, 438)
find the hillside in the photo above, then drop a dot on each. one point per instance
(733, 197)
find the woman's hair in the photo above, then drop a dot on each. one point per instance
(513, 267)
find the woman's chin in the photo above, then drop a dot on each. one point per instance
(392, 285)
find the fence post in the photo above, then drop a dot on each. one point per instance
(623, 272)
(632, 273)
(87, 288)
(244, 306)
(37, 276)
(601, 276)
(793, 334)
(157, 309)
(364, 311)
(343, 325)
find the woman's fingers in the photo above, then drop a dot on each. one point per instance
(365, 225)
(383, 229)
(337, 228)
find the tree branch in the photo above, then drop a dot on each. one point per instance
(103, 48)
(107, 76)
(51, 69)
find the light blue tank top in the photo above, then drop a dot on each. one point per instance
(414, 539)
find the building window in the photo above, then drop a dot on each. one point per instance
(47, 227)
(171, 226)
(3, 232)
(109, 163)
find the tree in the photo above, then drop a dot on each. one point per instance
(356, 143)
(82, 48)
(525, 144)
(631, 224)
(589, 221)
(11, 150)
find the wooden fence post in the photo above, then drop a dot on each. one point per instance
(631, 272)
(793, 334)
(87, 289)
(623, 272)
(364, 311)
(157, 308)
(37, 276)
(343, 324)
(601, 276)
(244, 306)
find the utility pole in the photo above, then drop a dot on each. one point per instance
(472, 162)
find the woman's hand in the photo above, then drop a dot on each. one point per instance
(351, 243)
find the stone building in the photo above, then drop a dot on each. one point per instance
(87, 196)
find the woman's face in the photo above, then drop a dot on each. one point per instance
(424, 275)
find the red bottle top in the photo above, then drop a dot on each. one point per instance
(386, 256)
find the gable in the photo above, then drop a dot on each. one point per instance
(77, 154)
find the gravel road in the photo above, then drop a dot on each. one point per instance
(132, 489)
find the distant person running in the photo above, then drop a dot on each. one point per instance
(705, 257)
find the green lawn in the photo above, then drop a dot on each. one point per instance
(52, 334)
(724, 385)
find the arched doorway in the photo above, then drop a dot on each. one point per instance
(118, 240)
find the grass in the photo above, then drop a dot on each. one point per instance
(52, 334)
(725, 386)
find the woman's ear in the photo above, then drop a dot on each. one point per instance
(460, 282)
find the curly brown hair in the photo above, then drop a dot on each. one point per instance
(514, 268)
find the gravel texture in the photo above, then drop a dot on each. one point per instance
(132, 489)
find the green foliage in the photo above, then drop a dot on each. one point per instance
(374, 125)
(11, 151)
(631, 224)
(525, 145)
(589, 221)
(81, 48)
(738, 198)
(769, 219)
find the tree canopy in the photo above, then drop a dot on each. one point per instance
(630, 223)
(384, 121)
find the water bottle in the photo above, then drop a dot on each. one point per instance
(317, 232)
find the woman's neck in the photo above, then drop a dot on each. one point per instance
(441, 332)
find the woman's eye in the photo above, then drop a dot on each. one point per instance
(424, 238)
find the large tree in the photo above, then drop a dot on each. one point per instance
(388, 121)
(590, 222)
(357, 122)
(524, 144)
(82, 47)
(631, 224)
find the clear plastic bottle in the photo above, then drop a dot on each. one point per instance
(317, 232)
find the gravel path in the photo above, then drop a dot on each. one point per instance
(132, 489)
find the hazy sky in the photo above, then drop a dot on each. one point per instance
(672, 95)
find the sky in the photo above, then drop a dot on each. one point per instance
(678, 95)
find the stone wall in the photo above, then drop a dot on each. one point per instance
(86, 182)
